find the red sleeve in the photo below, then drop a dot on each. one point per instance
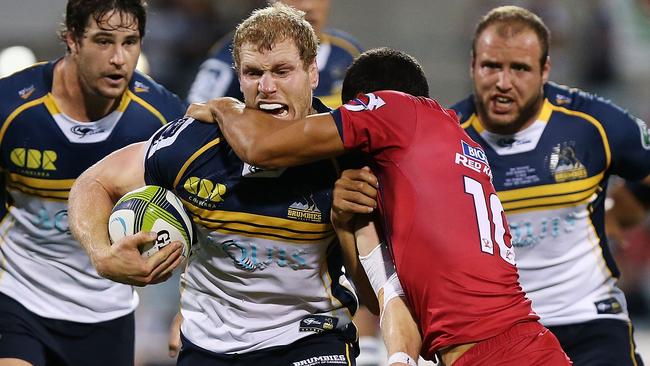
(376, 121)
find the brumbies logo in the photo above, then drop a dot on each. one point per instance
(367, 102)
(564, 164)
(305, 210)
(473, 158)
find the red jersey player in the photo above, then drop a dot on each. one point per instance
(445, 224)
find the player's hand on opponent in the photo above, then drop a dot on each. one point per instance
(355, 192)
(212, 110)
(174, 340)
(122, 262)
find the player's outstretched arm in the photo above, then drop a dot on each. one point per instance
(267, 142)
(91, 200)
(354, 185)
(174, 338)
(398, 327)
(631, 202)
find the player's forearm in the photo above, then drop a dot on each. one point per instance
(630, 203)
(400, 332)
(345, 233)
(267, 142)
(89, 208)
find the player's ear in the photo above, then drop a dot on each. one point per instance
(471, 64)
(546, 69)
(313, 74)
(71, 42)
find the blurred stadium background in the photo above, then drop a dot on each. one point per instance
(598, 45)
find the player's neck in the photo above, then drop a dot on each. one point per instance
(72, 100)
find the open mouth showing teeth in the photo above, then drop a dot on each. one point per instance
(276, 109)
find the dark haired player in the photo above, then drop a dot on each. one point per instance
(56, 119)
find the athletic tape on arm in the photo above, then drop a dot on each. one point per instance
(381, 273)
(403, 358)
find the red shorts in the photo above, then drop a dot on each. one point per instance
(524, 344)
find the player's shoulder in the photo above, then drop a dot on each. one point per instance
(143, 86)
(185, 134)
(380, 98)
(25, 86)
(588, 105)
(398, 103)
(342, 42)
(464, 109)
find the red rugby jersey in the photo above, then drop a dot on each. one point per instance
(442, 217)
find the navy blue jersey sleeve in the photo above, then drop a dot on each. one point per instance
(156, 98)
(464, 109)
(172, 147)
(627, 136)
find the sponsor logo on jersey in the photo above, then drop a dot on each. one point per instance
(645, 134)
(564, 164)
(33, 158)
(317, 323)
(367, 102)
(84, 131)
(305, 210)
(562, 99)
(248, 257)
(473, 158)
(203, 192)
(511, 142)
(140, 87)
(322, 360)
(26, 92)
(608, 306)
(528, 233)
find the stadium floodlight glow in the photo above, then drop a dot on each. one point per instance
(15, 58)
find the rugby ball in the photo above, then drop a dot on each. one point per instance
(151, 208)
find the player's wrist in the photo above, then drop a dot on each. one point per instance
(100, 258)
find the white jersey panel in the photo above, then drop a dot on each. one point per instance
(562, 267)
(47, 270)
(241, 294)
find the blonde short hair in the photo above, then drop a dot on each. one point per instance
(278, 22)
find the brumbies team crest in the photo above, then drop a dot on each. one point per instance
(305, 210)
(564, 164)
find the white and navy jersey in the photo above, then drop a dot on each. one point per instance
(267, 269)
(552, 179)
(42, 152)
(217, 77)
